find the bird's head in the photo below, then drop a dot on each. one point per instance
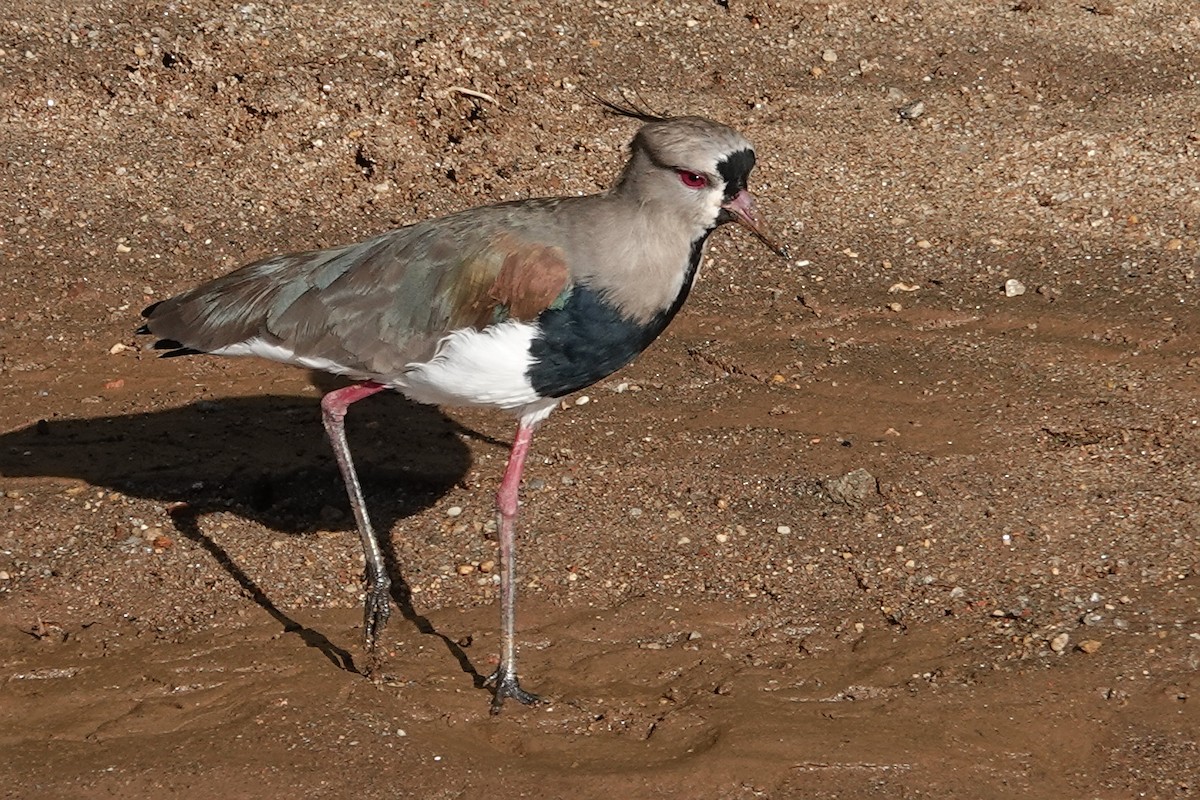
(696, 168)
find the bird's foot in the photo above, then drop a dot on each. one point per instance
(504, 684)
(376, 611)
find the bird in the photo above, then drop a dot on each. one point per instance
(510, 306)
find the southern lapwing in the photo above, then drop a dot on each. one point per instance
(509, 306)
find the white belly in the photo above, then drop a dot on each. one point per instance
(476, 368)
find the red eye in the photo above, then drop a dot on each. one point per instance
(692, 180)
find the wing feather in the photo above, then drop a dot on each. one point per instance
(372, 308)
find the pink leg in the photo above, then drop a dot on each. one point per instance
(333, 414)
(505, 677)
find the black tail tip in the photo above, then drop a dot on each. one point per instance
(148, 310)
(173, 347)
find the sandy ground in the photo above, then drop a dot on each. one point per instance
(1005, 604)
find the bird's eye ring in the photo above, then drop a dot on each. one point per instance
(692, 180)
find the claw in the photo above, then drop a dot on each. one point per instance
(505, 685)
(375, 617)
(376, 610)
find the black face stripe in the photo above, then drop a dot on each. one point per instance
(656, 161)
(735, 170)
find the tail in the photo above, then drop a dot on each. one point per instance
(173, 347)
(260, 301)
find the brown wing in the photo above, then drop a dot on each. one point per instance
(369, 309)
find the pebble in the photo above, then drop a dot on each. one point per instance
(466, 569)
(853, 488)
(487, 566)
(722, 537)
(783, 529)
(1013, 288)
(1059, 643)
(582, 400)
(683, 540)
(1089, 646)
(829, 56)
(454, 511)
(4, 575)
(911, 110)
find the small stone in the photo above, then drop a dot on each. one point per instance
(783, 529)
(4, 575)
(895, 307)
(635, 512)
(117, 348)
(829, 56)
(454, 511)
(911, 110)
(722, 537)
(694, 635)
(582, 400)
(466, 569)
(124, 248)
(683, 540)
(852, 489)
(487, 566)
(957, 592)
(1089, 646)
(1013, 288)
(1059, 643)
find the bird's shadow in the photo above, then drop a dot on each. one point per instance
(264, 458)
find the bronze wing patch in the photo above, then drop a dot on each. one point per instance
(525, 279)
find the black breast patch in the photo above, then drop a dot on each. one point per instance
(588, 339)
